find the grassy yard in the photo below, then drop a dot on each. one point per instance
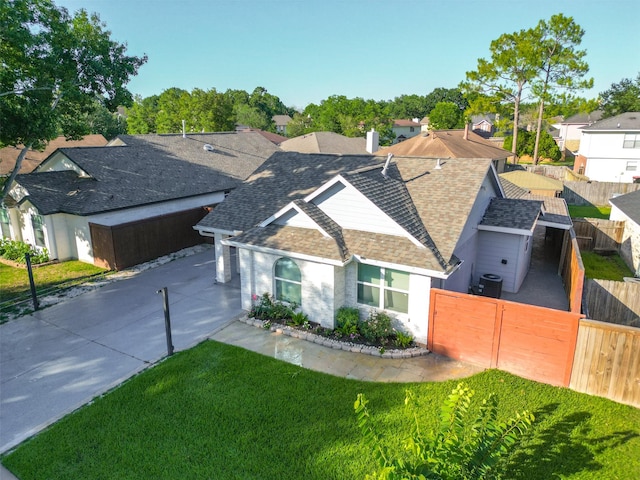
(589, 212)
(14, 282)
(218, 411)
(605, 267)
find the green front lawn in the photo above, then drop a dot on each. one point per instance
(14, 281)
(590, 211)
(605, 267)
(218, 411)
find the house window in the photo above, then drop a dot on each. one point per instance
(5, 223)
(411, 129)
(631, 140)
(288, 281)
(632, 166)
(37, 222)
(383, 288)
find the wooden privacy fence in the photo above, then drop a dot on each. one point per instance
(534, 342)
(598, 235)
(607, 362)
(595, 193)
(613, 302)
(572, 272)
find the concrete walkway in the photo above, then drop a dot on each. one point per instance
(59, 358)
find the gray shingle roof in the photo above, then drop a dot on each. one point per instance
(584, 118)
(624, 121)
(432, 204)
(148, 169)
(512, 213)
(629, 204)
(555, 209)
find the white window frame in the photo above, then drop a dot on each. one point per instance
(382, 287)
(277, 279)
(6, 225)
(631, 140)
(632, 166)
(37, 218)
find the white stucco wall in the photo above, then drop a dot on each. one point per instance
(494, 247)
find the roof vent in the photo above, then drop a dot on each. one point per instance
(386, 165)
(207, 147)
(438, 166)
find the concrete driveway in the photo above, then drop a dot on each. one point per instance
(59, 358)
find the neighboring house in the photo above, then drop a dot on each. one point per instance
(281, 122)
(450, 144)
(325, 231)
(9, 155)
(424, 124)
(484, 125)
(132, 201)
(534, 183)
(610, 150)
(627, 208)
(403, 129)
(324, 142)
(571, 129)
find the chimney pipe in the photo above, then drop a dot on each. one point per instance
(373, 141)
(184, 129)
(466, 131)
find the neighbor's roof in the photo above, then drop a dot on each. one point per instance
(629, 204)
(325, 142)
(148, 169)
(532, 181)
(583, 118)
(447, 144)
(281, 119)
(431, 204)
(624, 121)
(405, 123)
(9, 155)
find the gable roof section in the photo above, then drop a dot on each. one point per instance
(505, 214)
(9, 155)
(447, 144)
(583, 118)
(629, 204)
(555, 211)
(629, 121)
(325, 142)
(400, 122)
(431, 204)
(148, 169)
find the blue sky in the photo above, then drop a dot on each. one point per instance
(304, 51)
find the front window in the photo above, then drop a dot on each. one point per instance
(288, 281)
(383, 288)
(632, 166)
(5, 223)
(631, 140)
(38, 229)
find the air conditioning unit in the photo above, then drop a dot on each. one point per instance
(490, 285)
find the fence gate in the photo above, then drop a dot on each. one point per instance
(533, 342)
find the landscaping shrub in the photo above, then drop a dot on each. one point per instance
(347, 319)
(403, 340)
(376, 328)
(15, 251)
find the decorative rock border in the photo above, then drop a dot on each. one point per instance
(336, 344)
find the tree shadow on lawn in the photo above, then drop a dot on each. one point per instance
(562, 446)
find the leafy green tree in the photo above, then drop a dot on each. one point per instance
(446, 115)
(621, 97)
(453, 95)
(172, 109)
(252, 117)
(548, 148)
(141, 116)
(561, 64)
(506, 77)
(53, 68)
(208, 111)
(106, 123)
(408, 106)
(300, 124)
(461, 448)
